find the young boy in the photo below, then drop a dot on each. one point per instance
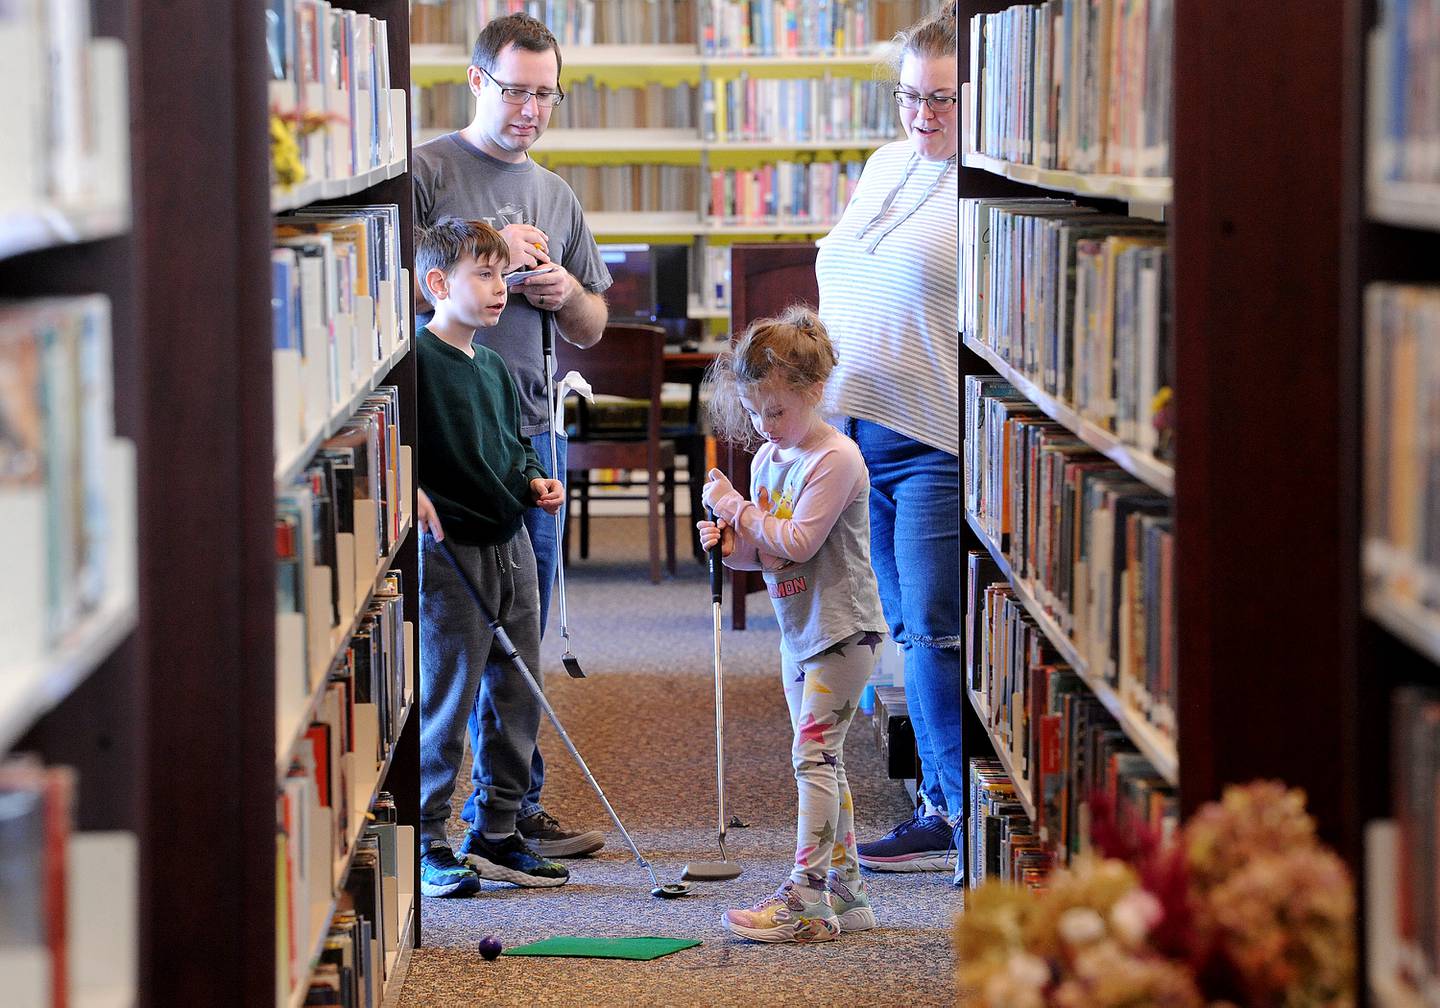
(478, 474)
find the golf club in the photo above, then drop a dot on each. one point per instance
(669, 890)
(547, 338)
(716, 871)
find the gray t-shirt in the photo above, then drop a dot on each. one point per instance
(455, 179)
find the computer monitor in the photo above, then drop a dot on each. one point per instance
(632, 296)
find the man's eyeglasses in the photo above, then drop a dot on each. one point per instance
(519, 96)
(938, 103)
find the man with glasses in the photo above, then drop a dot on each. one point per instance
(484, 172)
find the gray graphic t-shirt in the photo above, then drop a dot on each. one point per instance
(454, 179)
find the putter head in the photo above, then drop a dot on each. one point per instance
(711, 871)
(572, 666)
(670, 890)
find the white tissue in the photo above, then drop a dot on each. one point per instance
(575, 382)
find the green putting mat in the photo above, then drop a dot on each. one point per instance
(604, 948)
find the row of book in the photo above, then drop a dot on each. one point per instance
(340, 947)
(1082, 85)
(573, 22)
(633, 188)
(67, 111)
(712, 283)
(334, 526)
(1402, 452)
(68, 908)
(340, 302)
(802, 27)
(1001, 842)
(1092, 545)
(329, 71)
(1078, 302)
(821, 108)
(67, 484)
(590, 103)
(1404, 91)
(1415, 782)
(814, 193)
(1022, 682)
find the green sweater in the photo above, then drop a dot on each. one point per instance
(474, 464)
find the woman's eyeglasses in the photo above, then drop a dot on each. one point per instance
(938, 103)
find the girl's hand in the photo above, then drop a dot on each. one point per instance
(549, 494)
(426, 517)
(716, 531)
(716, 487)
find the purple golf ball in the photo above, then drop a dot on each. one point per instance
(490, 946)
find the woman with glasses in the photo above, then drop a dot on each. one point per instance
(888, 290)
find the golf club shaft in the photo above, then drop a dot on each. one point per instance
(717, 582)
(513, 654)
(547, 340)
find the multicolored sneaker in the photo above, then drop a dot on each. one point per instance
(851, 905)
(546, 837)
(442, 875)
(920, 843)
(510, 860)
(784, 917)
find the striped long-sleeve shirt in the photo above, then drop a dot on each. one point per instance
(890, 304)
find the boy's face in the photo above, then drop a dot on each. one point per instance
(475, 293)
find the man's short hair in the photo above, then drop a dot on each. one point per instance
(520, 30)
(451, 239)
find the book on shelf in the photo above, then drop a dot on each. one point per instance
(329, 68)
(1402, 456)
(1079, 85)
(633, 188)
(1077, 302)
(1415, 783)
(572, 22)
(823, 108)
(799, 28)
(1093, 546)
(66, 483)
(36, 813)
(814, 193)
(1001, 843)
(1403, 102)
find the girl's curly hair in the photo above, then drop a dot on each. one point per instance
(793, 346)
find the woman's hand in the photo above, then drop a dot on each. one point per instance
(426, 517)
(719, 531)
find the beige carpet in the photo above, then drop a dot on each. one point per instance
(643, 722)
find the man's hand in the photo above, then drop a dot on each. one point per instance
(551, 290)
(426, 517)
(528, 245)
(549, 494)
(719, 531)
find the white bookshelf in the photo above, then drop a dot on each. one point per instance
(429, 63)
(696, 309)
(30, 690)
(1002, 750)
(1156, 747)
(1149, 470)
(1406, 619)
(284, 198)
(1406, 204)
(620, 224)
(1157, 191)
(566, 140)
(41, 227)
(397, 964)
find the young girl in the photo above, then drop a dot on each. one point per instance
(808, 529)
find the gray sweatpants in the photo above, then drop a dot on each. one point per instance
(461, 671)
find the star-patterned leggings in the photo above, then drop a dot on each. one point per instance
(822, 692)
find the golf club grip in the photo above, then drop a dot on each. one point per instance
(717, 574)
(547, 333)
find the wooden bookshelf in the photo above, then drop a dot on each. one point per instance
(1002, 752)
(1266, 628)
(1143, 466)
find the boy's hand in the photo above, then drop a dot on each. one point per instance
(716, 487)
(426, 517)
(549, 494)
(719, 531)
(528, 245)
(550, 291)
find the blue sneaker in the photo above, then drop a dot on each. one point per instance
(511, 860)
(920, 843)
(442, 875)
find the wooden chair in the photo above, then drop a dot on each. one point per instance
(627, 362)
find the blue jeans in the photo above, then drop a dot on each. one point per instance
(546, 544)
(915, 528)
